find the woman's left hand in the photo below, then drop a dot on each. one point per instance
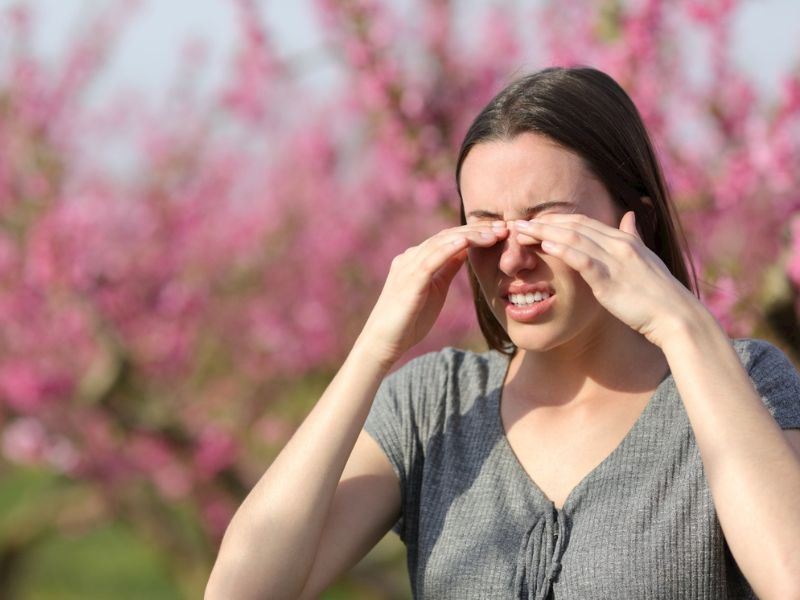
(625, 276)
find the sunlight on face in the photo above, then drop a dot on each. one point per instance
(510, 179)
(520, 179)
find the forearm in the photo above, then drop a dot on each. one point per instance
(752, 471)
(269, 547)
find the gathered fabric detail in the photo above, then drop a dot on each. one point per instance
(539, 556)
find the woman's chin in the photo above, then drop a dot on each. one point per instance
(529, 337)
(534, 343)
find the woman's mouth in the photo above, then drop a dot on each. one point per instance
(528, 299)
(527, 307)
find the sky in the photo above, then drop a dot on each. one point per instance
(767, 36)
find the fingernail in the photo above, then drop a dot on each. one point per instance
(549, 246)
(521, 224)
(499, 224)
(486, 234)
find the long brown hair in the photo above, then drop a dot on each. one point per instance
(586, 111)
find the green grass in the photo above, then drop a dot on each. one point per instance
(107, 562)
(113, 560)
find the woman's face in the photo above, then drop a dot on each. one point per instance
(519, 179)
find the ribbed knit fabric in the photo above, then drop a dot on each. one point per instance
(641, 525)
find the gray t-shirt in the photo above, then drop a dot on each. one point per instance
(642, 524)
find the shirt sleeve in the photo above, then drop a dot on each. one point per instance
(400, 420)
(777, 381)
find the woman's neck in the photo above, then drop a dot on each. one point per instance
(616, 362)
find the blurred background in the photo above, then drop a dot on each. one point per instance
(199, 202)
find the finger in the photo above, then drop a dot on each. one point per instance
(493, 224)
(485, 230)
(431, 260)
(615, 242)
(593, 271)
(433, 252)
(493, 227)
(480, 237)
(476, 226)
(583, 222)
(568, 234)
(527, 240)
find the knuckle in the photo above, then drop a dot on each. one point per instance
(403, 257)
(628, 248)
(427, 266)
(585, 262)
(446, 233)
(601, 290)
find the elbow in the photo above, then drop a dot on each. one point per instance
(791, 581)
(215, 586)
(791, 588)
(236, 580)
(785, 588)
(221, 587)
(225, 582)
(789, 592)
(231, 575)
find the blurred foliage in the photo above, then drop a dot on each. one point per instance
(154, 354)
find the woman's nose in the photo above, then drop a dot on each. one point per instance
(515, 257)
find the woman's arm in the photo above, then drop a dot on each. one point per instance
(269, 548)
(752, 469)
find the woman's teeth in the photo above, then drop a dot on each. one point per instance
(526, 299)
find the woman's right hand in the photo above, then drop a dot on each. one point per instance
(417, 284)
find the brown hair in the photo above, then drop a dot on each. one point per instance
(586, 111)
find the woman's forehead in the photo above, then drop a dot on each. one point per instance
(528, 169)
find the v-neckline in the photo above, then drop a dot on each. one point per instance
(508, 451)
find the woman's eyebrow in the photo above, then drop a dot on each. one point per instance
(529, 212)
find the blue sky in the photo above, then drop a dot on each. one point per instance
(767, 36)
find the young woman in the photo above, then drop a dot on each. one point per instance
(612, 443)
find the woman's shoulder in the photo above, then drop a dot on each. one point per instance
(759, 353)
(452, 363)
(774, 377)
(426, 390)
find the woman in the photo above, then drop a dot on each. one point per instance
(613, 443)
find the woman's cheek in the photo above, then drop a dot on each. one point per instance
(483, 261)
(482, 255)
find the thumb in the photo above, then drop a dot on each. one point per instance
(628, 224)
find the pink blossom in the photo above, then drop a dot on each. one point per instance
(149, 312)
(28, 388)
(153, 455)
(273, 430)
(793, 267)
(216, 450)
(24, 441)
(217, 513)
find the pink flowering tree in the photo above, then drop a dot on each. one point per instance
(161, 320)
